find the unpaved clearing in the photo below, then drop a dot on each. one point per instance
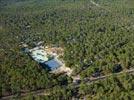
(64, 69)
(55, 51)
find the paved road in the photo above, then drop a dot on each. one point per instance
(91, 80)
(102, 77)
(44, 91)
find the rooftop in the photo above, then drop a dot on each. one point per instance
(48, 57)
(39, 55)
(53, 64)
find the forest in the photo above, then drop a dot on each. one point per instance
(97, 39)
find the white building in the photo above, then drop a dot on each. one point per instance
(39, 55)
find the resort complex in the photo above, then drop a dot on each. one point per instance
(67, 49)
(49, 58)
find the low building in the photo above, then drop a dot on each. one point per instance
(52, 65)
(25, 50)
(39, 55)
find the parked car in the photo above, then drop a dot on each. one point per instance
(96, 74)
(76, 82)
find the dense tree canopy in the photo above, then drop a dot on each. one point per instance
(96, 39)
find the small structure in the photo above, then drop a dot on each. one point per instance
(76, 79)
(25, 50)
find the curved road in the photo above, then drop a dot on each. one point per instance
(44, 91)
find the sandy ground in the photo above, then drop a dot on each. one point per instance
(67, 70)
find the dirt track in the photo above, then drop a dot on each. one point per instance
(44, 91)
(94, 3)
